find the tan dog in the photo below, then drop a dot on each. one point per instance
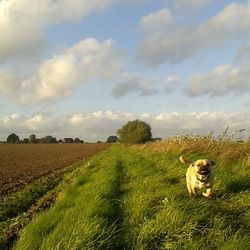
(199, 175)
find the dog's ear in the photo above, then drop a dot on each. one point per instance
(213, 163)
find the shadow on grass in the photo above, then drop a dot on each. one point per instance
(114, 214)
(172, 180)
(239, 185)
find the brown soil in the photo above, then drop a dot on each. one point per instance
(21, 164)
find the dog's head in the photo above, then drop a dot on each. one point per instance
(203, 168)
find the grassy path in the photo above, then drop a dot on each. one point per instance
(130, 199)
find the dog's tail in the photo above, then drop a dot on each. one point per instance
(184, 161)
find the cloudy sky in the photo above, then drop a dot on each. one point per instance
(84, 68)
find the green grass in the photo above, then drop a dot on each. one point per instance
(18, 208)
(133, 198)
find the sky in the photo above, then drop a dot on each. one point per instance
(85, 68)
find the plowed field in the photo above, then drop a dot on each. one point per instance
(23, 163)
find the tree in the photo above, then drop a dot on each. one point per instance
(48, 139)
(13, 138)
(25, 140)
(156, 139)
(77, 140)
(32, 139)
(68, 140)
(112, 139)
(135, 132)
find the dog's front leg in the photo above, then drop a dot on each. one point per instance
(208, 192)
(193, 190)
(189, 189)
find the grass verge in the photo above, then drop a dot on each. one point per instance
(18, 208)
(135, 198)
(86, 216)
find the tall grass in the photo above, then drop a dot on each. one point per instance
(84, 217)
(225, 151)
(136, 198)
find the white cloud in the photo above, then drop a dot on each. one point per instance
(76, 119)
(143, 86)
(171, 83)
(156, 21)
(100, 124)
(11, 124)
(243, 54)
(11, 119)
(55, 78)
(182, 43)
(127, 87)
(20, 35)
(221, 80)
(193, 122)
(20, 124)
(23, 22)
(40, 123)
(165, 124)
(9, 83)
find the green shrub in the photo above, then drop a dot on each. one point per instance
(135, 132)
(13, 138)
(112, 139)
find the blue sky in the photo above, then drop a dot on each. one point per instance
(84, 68)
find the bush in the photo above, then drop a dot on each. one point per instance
(48, 139)
(32, 139)
(25, 140)
(135, 132)
(112, 139)
(77, 140)
(13, 138)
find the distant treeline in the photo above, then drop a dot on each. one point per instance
(14, 138)
(132, 132)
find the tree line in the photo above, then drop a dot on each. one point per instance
(132, 132)
(14, 138)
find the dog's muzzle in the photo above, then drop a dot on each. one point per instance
(204, 172)
(203, 175)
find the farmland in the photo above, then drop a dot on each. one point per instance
(21, 164)
(135, 198)
(31, 176)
